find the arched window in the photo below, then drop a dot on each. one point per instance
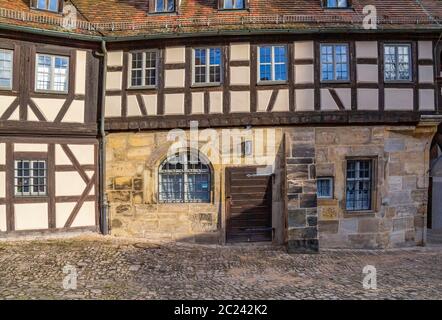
(184, 178)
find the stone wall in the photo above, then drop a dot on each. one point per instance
(132, 166)
(401, 156)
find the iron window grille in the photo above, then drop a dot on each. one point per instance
(334, 62)
(6, 61)
(397, 62)
(30, 178)
(359, 185)
(143, 70)
(184, 178)
(52, 73)
(272, 63)
(207, 65)
(325, 188)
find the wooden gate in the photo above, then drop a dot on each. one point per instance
(249, 205)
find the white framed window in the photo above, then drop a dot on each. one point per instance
(48, 5)
(184, 178)
(335, 62)
(272, 62)
(164, 5)
(52, 73)
(30, 178)
(397, 62)
(207, 65)
(359, 182)
(143, 68)
(325, 188)
(6, 68)
(233, 4)
(336, 4)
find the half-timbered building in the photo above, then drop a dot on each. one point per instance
(306, 123)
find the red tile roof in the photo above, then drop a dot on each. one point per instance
(120, 18)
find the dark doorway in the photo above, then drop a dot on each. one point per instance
(248, 205)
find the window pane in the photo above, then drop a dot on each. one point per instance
(280, 54)
(30, 178)
(53, 5)
(159, 6)
(60, 74)
(170, 5)
(324, 188)
(265, 54)
(228, 4)
(44, 72)
(5, 68)
(280, 72)
(359, 182)
(265, 72)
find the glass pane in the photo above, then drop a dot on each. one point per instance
(265, 54)
(280, 72)
(60, 74)
(228, 4)
(265, 72)
(53, 5)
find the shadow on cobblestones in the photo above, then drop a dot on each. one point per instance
(109, 268)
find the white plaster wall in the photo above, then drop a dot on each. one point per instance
(60, 156)
(345, 95)
(327, 102)
(240, 75)
(30, 147)
(367, 73)
(68, 184)
(114, 80)
(304, 50)
(75, 112)
(80, 72)
(197, 102)
(304, 73)
(216, 102)
(239, 51)
(115, 58)
(305, 99)
(240, 101)
(113, 106)
(368, 99)
(3, 226)
(32, 216)
(86, 215)
(426, 99)
(366, 49)
(281, 102)
(175, 55)
(84, 153)
(263, 100)
(174, 103)
(151, 104)
(426, 74)
(49, 107)
(62, 213)
(5, 102)
(132, 106)
(2, 153)
(425, 49)
(398, 99)
(174, 78)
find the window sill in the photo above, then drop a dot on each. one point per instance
(142, 88)
(398, 81)
(60, 93)
(357, 214)
(271, 83)
(202, 85)
(233, 9)
(335, 81)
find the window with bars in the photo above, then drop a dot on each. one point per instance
(52, 73)
(30, 178)
(207, 65)
(334, 62)
(164, 5)
(6, 57)
(233, 4)
(336, 3)
(272, 63)
(184, 178)
(325, 188)
(359, 185)
(144, 66)
(48, 5)
(397, 62)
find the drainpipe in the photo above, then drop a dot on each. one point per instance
(104, 205)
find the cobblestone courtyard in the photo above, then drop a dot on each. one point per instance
(108, 268)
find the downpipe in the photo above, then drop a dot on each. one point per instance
(104, 204)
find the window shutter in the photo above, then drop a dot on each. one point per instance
(151, 6)
(220, 4)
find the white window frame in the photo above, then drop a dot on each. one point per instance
(396, 62)
(272, 64)
(337, 6)
(235, 3)
(164, 10)
(52, 73)
(47, 7)
(334, 63)
(143, 69)
(331, 190)
(31, 176)
(11, 79)
(208, 65)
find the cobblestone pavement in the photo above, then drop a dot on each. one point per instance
(111, 268)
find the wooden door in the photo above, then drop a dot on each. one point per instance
(249, 205)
